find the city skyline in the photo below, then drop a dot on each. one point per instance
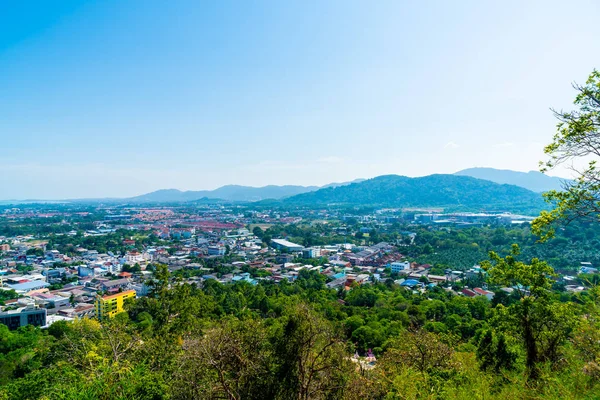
(116, 99)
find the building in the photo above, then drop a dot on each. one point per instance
(84, 270)
(29, 315)
(311, 252)
(282, 244)
(483, 292)
(397, 267)
(109, 306)
(115, 284)
(284, 258)
(28, 286)
(80, 311)
(132, 257)
(49, 300)
(216, 250)
(4, 248)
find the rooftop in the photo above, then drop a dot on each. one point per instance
(114, 296)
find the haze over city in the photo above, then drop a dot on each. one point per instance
(299, 200)
(115, 99)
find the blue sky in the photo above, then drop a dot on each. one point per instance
(118, 98)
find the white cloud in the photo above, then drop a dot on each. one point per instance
(451, 145)
(504, 144)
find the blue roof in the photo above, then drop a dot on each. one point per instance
(29, 285)
(339, 275)
(410, 282)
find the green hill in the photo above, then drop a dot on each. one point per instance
(448, 191)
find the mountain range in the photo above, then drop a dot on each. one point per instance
(474, 188)
(448, 191)
(532, 180)
(231, 193)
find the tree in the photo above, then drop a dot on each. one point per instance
(493, 352)
(258, 232)
(418, 349)
(230, 361)
(540, 322)
(312, 363)
(577, 136)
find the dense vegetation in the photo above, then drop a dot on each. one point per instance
(296, 341)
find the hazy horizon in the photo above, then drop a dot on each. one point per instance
(117, 99)
(234, 184)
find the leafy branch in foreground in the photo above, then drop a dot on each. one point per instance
(577, 140)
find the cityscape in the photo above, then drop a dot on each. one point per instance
(334, 200)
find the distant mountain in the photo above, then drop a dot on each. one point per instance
(230, 193)
(450, 191)
(532, 180)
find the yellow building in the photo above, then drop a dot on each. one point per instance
(109, 306)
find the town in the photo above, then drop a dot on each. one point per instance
(67, 262)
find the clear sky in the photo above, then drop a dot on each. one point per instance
(118, 98)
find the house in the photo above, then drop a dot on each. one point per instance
(79, 311)
(337, 283)
(362, 278)
(116, 284)
(475, 272)
(437, 278)
(340, 263)
(483, 292)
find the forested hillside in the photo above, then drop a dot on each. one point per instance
(298, 341)
(450, 191)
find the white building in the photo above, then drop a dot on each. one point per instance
(397, 267)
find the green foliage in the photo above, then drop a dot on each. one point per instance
(428, 191)
(577, 136)
(7, 295)
(538, 320)
(295, 340)
(494, 353)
